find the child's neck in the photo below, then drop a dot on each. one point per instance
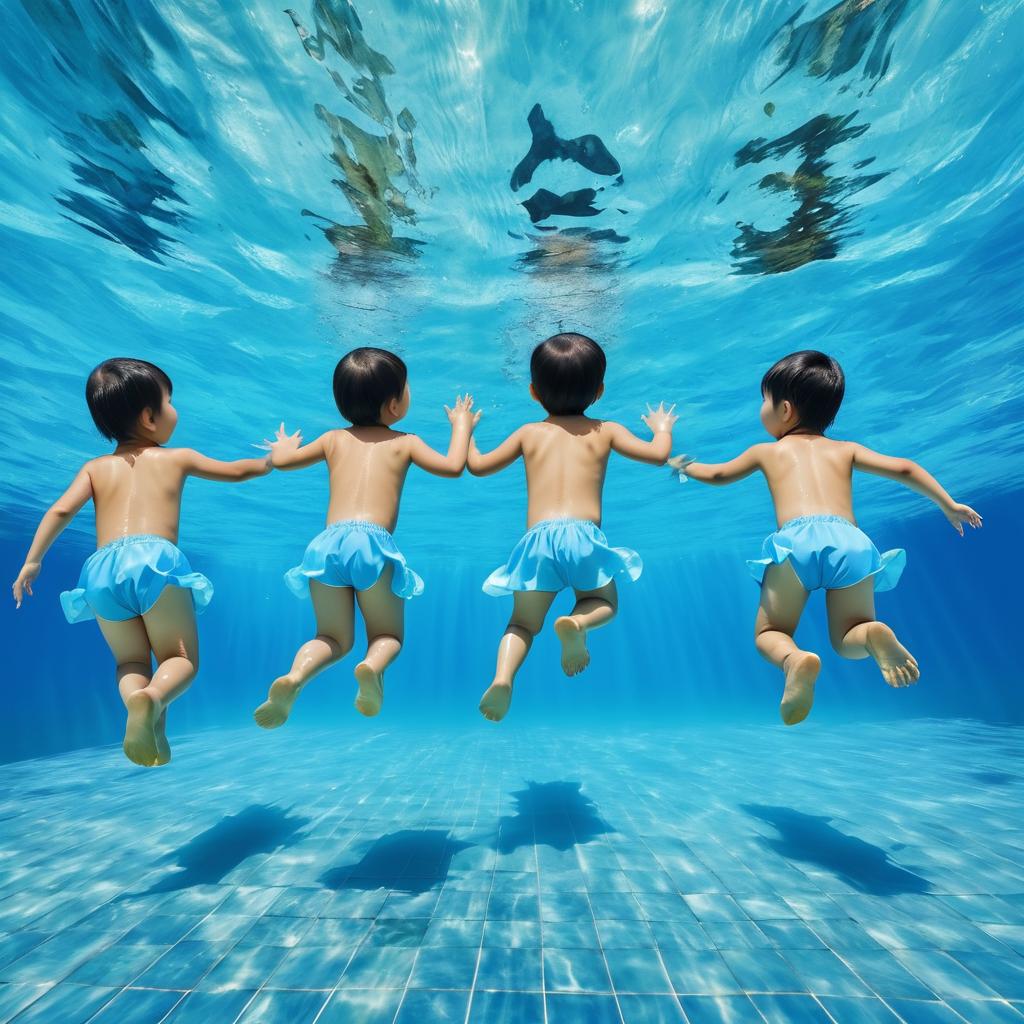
(134, 444)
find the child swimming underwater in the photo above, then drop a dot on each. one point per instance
(137, 585)
(566, 456)
(817, 544)
(355, 557)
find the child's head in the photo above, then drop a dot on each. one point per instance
(371, 387)
(802, 391)
(130, 400)
(567, 374)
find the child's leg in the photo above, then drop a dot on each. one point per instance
(171, 628)
(528, 613)
(384, 615)
(129, 643)
(856, 633)
(782, 602)
(593, 608)
(333, 607)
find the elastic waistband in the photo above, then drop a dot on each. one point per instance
(135, 538)
(800, 520)
(359, 524)
(563, 521)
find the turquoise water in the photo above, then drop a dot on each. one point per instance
(244, 195)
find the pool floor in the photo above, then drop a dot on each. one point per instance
(853, 873)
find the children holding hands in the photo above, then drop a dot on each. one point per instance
(144, 594)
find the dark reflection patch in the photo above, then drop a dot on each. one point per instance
(566, 248)
(377, 170)
(821, 221)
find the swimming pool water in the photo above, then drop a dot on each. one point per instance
(852, 873)
(242, 194)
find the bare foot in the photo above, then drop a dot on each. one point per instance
(371, 689)
(139, 735)
(274, 711)
(897, 664)
(575, 656)
(163, 748)
(494, 703)
(802, 668)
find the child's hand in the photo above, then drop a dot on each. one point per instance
(678, 464)
(463, 412)
(660, 419)
(23, 584)
(283, 444)
(960, 514)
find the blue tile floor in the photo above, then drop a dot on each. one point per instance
(861, 873)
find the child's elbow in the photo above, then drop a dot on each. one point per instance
(906, 469)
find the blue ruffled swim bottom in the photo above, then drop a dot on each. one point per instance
(126, 577)
(353, 553)
(559, 553)
(828, 552)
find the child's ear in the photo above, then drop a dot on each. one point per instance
(786, 410)
(147, 419)
(600, 391)
(533, 392)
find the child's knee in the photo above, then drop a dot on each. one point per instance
(339, 645)
(527, 625)
(391, 638)
(136, 666)
(760, 628)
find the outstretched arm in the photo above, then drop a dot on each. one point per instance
(720, 472)
(655, 451)
(196, 464)
(911, 475)
(56, 517)
(463, 420)
(485, 463)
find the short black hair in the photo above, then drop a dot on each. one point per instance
(812, 382)
(119, 391)
(364, 380)
(567, 371)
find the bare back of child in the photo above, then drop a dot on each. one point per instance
(137, 585)
(355, 560)
(817, 544)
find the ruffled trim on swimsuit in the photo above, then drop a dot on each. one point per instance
(324, 548)
(538, 563)
(75, 603)
(887, 567)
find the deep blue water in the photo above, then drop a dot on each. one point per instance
(243, 194)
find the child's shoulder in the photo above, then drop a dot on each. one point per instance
(562, 422)
(343, 437)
